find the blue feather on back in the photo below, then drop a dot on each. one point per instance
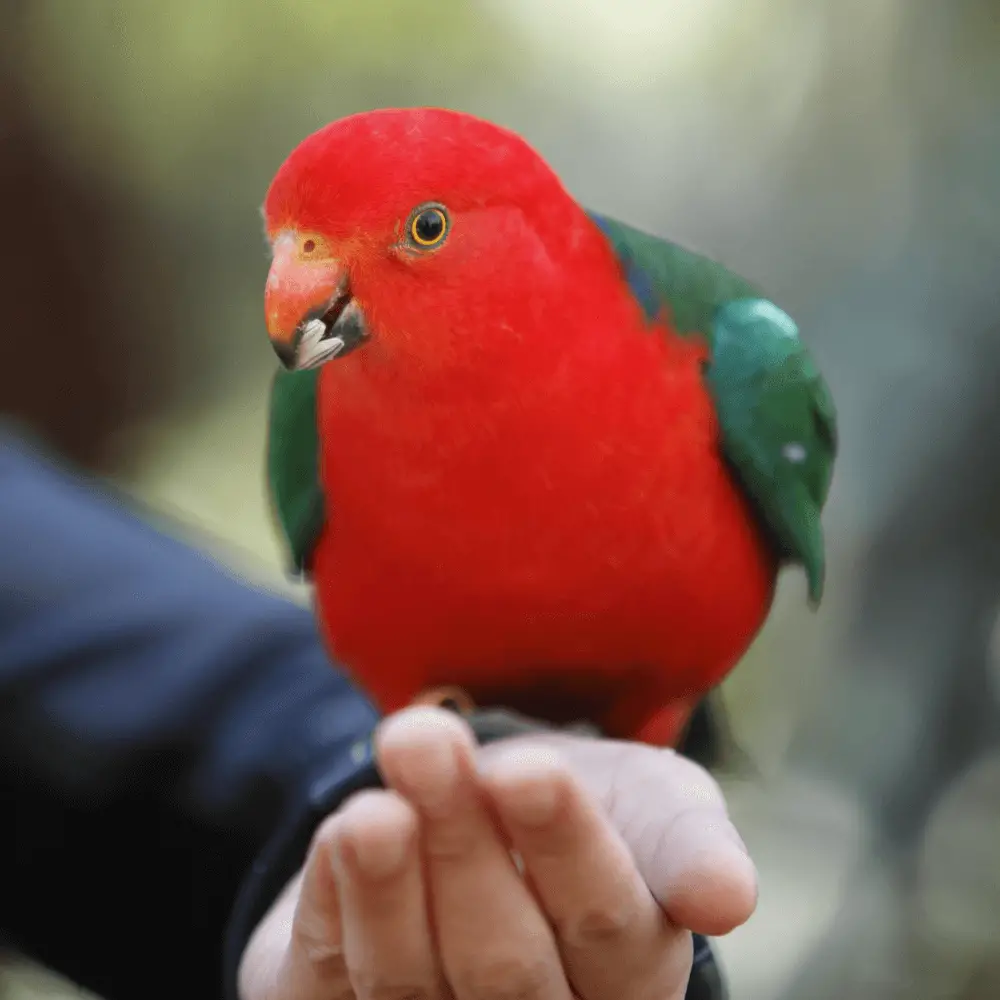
(639, 281)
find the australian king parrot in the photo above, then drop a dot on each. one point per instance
(521, 448)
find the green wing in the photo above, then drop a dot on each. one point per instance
(777, 417)
(293, 462)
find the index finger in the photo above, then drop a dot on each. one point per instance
(493, 939)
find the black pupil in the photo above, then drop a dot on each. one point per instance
(429, 226)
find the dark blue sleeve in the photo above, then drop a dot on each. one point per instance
(160, 724)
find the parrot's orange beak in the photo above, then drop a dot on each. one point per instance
(311, 316)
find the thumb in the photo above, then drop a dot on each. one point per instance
(671, 813)
(296, 953)
(686, 848)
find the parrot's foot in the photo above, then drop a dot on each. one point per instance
(455, 699)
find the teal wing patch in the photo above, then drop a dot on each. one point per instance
(293, 462)
(777, 417)
(779, 425)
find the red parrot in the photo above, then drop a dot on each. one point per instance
(522, 448)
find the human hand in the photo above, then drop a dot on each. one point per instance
(411, 892)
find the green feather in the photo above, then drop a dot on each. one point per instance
(662, 274)
(293, 462)
(777, 417)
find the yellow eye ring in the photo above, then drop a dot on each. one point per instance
(428, 226)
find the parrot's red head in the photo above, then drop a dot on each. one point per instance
(404, 229)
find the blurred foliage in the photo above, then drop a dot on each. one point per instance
(191, 106)
(153, 82)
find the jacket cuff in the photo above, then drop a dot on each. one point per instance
(287, 850)
(706, 982)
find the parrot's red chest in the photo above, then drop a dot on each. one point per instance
(573, 542)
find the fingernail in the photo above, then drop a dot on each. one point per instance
(430, 772)
(534, 803)
(381, 856)
(337, 859)
(530, 782)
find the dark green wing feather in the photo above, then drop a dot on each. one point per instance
(777, 417)
(293, 462)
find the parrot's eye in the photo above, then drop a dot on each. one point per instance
(428, 226)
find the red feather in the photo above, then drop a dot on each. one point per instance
(527, 494)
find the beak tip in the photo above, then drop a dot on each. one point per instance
(286, 351)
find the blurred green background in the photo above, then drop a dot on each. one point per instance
(843, 153)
